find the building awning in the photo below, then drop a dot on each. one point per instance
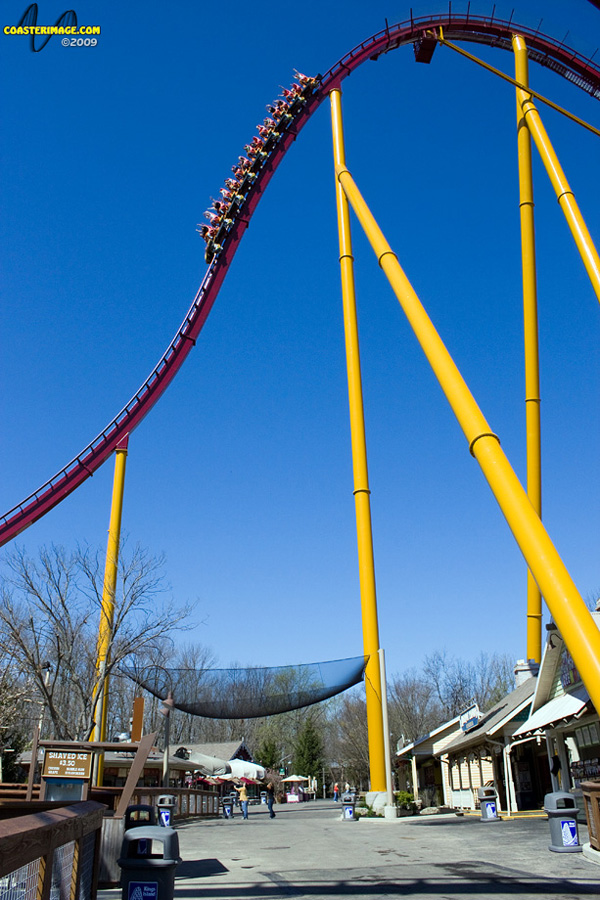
(551, 713)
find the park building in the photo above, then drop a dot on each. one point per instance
(543, 736)
(562, 720)
(450, 764)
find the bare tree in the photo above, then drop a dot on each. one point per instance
(457, 682)
(414, 707)
(346, 740)
(50, 612)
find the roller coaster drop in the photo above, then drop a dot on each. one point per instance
(424, 33)
(542, 49)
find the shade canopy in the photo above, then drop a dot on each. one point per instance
(295, 778)
(241, 768)
(252, 692)
(209, 765)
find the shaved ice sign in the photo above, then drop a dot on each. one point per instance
(67, 764)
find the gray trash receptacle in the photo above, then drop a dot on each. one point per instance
(228, 805)
(263, 798)
(488, 799)
(139, 814)
(562, 815)
(165, 805)
(149, 857)
(349, 807)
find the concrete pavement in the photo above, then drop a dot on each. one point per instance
(308, 852)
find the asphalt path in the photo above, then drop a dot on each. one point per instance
(308, 851)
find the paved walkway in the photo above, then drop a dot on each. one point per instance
(307, 851)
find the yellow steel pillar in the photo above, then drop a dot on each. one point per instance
(568, 610)
(565, 196)
(108, 599)
(530, 332)
(362, 493)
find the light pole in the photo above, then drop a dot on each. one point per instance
(33, 766)
(165, 710)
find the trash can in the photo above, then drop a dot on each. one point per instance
(149, 857)
(488, 797)
(165, 805)
(263, 798)
(349, 806)
(227, 807)
(562, 816)
(138, 815)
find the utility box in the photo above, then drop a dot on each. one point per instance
(165, 805)
(488, 800)
(149, 857)
(562, 816)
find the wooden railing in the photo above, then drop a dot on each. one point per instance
(591, 801)
(189, 801)
(50, 854)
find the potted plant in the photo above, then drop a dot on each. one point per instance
(405, 803)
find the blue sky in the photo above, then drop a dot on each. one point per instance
(242, 473)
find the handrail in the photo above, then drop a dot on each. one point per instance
(26, 838)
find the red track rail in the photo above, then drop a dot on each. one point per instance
(479, 29)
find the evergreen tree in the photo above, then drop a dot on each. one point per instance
(268, 754)
(308, 749)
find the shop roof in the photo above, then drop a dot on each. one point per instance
(563, 707)
(496, 718)
(223, 750)
(417, 745)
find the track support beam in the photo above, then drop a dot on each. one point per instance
(568, 610)
(531, 343)
(108, 601)
(362, 494)
(564, 194)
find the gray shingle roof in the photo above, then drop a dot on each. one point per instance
(495, 718)
(223, 750)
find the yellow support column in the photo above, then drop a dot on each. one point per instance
(530, 332)
(564, 194)
(366, 564)
(108, 600)
(570, 613)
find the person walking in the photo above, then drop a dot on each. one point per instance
(270, 799)
(336, 792)
(243, 798)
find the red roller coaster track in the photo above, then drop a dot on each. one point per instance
(478, 29)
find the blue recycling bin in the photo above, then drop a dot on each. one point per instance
(488, 804)
(349, 807)
(166, 805)
(562, 815)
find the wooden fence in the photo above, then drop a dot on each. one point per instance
(51, 854)
(188, 801)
